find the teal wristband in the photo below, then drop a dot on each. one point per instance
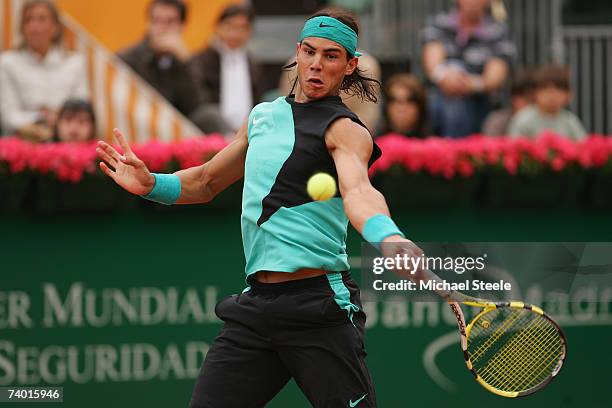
(167, 189)
(379, 227)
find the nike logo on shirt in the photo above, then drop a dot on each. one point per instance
(354, 404)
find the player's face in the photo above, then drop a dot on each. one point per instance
(322, 65)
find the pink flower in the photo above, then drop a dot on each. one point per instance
(557, 164)
(436, 156)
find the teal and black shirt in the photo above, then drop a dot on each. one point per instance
(283, 229)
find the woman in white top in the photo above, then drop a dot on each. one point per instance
(37, 77)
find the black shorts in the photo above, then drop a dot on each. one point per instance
(311, 330)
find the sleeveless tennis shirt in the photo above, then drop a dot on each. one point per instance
(283, 229)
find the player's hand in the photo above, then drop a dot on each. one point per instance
(129, 171)
(396, 245)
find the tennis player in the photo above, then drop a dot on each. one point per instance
(300, 316)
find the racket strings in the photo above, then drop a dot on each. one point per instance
(490, 338)
(493, 348)
(520, 360)
(538, 376)
(525, 375)
(523, 361)
(522, 344)
(516, 351)
(500, 322)
(499, 373)
(543, 358)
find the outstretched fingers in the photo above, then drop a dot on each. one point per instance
(108, 153)
(104, 167)
(122, 142)
(102, 154)
(131, 159)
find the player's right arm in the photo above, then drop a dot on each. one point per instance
(350, 145)
(198, 184)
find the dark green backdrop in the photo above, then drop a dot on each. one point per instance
(200, 248)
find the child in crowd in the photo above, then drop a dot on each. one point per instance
(497, 123)
(551, 96)
(76, 122)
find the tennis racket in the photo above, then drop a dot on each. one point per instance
(513, 349)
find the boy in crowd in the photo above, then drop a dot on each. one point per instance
(498, 122)
(551, 96)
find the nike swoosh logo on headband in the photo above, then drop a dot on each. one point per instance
(323, 25)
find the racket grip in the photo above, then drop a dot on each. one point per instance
(449, 296)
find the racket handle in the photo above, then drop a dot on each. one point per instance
(429, 276)
(449, 296)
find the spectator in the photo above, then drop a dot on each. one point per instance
(467, 56)
(405, 107)
(367, 111)
(225, 73)
(552, 95)
(498, 122)
(76, 122)
(38, 76)
(161, 57)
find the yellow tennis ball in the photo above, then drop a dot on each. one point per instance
(321, 187)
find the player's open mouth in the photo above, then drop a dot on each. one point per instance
(315, 82)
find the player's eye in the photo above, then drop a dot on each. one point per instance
(332, 56)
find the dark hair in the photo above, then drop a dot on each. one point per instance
(417, 95)
(523, 82)
(54, 14)
(180, 6)
(236, 10)
(555, 75)
(355, 84)
(72, 107)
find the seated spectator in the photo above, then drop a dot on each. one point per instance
(467, 56)
(367, 111)
(551, 96)
(498, 122)
(161, 57)
(76, 122)
(405, 107)
(38, 76)
(226, 75)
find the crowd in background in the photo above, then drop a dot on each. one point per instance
(468, 60)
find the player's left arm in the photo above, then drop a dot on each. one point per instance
(350, 146)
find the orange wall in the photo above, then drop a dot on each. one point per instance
(118, 23)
